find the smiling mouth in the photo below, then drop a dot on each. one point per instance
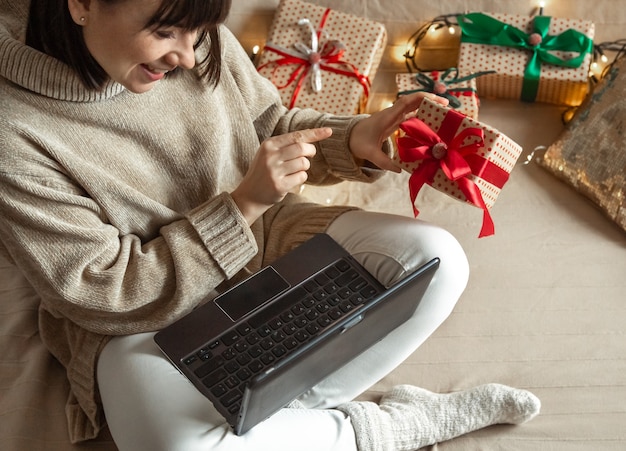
(156, 71)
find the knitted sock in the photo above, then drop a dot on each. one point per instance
(409, 417)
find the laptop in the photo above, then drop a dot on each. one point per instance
(259, 345)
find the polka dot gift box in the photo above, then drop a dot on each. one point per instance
(460, 91)
(541, 58)
(322, 58)
(456, 155)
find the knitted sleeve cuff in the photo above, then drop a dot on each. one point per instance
(336, 150)
(225, 233)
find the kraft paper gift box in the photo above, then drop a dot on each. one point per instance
(456, 155)
(541, 58)
(460, 91)
(322, 58)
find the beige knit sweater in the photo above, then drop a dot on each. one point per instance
(116, 206)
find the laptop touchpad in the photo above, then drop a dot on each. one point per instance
(252, 293)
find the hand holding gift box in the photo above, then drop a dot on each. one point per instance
(456, 155)
(460, 91)
(541, 58)
(321, 58)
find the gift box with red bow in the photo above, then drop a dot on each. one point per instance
(460, 91)
(321, 58)
(456, 155)
(541, 58)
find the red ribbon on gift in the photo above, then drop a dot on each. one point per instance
(329, 54)
(446, 150)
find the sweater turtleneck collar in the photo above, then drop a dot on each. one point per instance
(36, 71)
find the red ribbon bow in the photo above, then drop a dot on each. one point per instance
(327, 59)
(446, 150)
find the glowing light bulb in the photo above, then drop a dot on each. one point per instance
(255, 51)
(569, 114)
(399, 53)
(604, 59)
(451, 29)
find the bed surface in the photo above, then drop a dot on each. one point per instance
(545, 308)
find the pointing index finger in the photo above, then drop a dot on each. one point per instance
(310, 135)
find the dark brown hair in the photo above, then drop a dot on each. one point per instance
(52, 30)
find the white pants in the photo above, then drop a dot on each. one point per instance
(150, 406)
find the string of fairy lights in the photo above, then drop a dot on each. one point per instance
(447, 22)
(604, 54)
(446, 27)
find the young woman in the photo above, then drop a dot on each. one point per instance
(144, 165)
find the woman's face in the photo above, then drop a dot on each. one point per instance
(130, 54)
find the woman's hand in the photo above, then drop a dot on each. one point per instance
(279, 166)
(367, 137)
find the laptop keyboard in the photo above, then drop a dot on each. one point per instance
(227, 364)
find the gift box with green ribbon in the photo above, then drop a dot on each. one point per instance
(456, 155)
(541, 58)
(460, 91)
(322, 58)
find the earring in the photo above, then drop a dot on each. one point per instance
(82, 20)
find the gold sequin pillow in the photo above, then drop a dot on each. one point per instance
(590, 154)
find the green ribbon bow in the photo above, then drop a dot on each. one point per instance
(478, 28)
(429, 84)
